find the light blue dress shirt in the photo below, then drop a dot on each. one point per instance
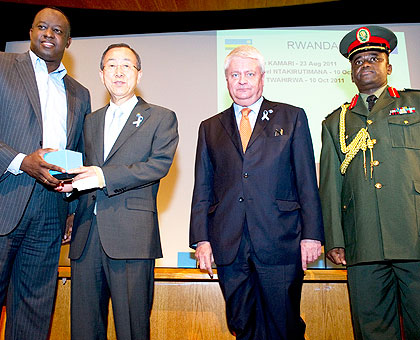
(255, 108)
(52, 95)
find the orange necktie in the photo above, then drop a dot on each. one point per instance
(245, 130)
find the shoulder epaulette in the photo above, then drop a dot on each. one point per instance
(335, 110)
(411, 90)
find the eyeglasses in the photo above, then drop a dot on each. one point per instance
(125, 68)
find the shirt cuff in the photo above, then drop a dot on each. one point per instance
(14, 166)
(97, 181)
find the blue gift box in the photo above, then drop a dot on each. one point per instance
(66, 159)
(186, 260)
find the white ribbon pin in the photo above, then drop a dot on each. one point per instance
(265, 114)
(139, 120)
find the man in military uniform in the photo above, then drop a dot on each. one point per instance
(370, 191)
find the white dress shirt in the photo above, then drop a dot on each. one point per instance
(113, 127)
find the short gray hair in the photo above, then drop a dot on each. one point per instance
(245, 51)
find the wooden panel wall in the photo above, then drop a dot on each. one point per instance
(194, 310)
(169, 5)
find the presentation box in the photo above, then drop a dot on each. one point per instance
(66, 159)
(186, 260)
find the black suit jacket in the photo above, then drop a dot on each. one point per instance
(272, 185)
(21, 131)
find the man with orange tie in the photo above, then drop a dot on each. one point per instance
(256, 210)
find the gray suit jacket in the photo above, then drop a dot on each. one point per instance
(126, 207)
(21, 131)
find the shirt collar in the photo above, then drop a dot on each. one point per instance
(127, 106)
(40, 65)
(254, 107)
(377, 93)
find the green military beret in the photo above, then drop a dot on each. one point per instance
(368, 38)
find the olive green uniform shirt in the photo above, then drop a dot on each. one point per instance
(374, 219)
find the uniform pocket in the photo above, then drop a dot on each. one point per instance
(405, 131)
(348, 218)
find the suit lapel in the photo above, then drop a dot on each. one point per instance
(26, 72)
(360, 108)
(267, 112)
(97, 126)
(228, 120)
(140, 110)
(383, 101)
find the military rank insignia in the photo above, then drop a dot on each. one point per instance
(402, 111)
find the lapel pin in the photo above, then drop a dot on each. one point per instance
(139, 120)
(265, 114)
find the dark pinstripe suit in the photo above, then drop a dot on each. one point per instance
(29, 257)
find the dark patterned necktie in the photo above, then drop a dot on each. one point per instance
(371, 101)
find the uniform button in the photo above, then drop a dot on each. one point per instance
(241, 199)
(406, 122)
(378, 185)
(245, 175)
(369, 122)
(375, 163)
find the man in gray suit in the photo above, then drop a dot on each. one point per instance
(129, 147)
(41, 109)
